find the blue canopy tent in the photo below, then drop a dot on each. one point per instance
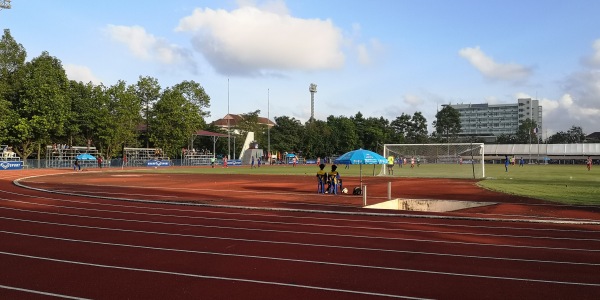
(361, 157)
(85, 156)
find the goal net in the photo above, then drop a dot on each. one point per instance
(454, 160)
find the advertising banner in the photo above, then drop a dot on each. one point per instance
(158, 163)
(11, 165)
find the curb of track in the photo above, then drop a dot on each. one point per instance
(335, 212)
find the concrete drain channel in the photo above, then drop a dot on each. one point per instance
(427, 205)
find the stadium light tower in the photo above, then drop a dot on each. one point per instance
(312, 89)
(4, 4)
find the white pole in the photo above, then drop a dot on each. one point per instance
(268, 128)
(389, 190)
(228, 125)
(364, 193)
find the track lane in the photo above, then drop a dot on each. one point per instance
(321, 243)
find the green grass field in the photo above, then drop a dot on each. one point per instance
(569, 184)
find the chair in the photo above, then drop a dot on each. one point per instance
(322, 180)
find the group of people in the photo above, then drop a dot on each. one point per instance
(99, 161)
(332, 179)
(401, 161)
(258, 162)
(7, 152)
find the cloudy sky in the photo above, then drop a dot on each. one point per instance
(379, 57)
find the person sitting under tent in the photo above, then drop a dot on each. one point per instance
(321, 179)
(334, 180)
(76, 165)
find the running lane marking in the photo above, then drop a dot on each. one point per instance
(207, 276)
(153, 207)
(285, 259)
(305, 224)
(302, 244)
(40, 292)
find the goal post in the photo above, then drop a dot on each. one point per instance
(452, 160)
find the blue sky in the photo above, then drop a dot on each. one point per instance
(379, 57)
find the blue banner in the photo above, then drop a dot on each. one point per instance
(159, 163)
(11, 165)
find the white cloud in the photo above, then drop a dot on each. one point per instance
(146, 46)
(594, 60)
(275, 6)
(493, 70)
(412, 100)
(367, 53)
(81, 73)
(249, 40)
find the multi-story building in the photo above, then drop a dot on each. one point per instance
(488, 121)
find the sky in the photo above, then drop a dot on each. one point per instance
(381, 58)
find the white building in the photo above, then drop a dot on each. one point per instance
(491, 120)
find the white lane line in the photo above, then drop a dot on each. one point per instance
(208, 276)
(291, 193)
(6, 287)
(308, 233)
(303, 244)
(199, 210)
(308, 224)
(306, 261)
(127, 194)
(355, 213)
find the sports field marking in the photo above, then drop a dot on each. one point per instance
(127, 194)
(368, 221)
(6, 287)
(305, 232)
(287, 260)
(302, 244)
(446, 217)
(206, 276)
(304, 224)
(17, 182)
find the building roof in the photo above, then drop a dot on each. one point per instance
(209, 133)
(593, 136)
(233, 120)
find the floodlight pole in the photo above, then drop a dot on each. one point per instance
(268, 128)
(5, 4)
(228, 124)
(312, 88)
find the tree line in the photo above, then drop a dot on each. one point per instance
(40, 106)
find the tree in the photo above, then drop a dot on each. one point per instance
(43, 105)
(12, 56)
(12, 60)
(573, 135)
(287, 134)
(400, 128)
(525, 134)
(177, 115)
(447, 122)
(121, 112)
(344, 136)
(317, 131)
(250, 122)
(417, 130)
(148, 90)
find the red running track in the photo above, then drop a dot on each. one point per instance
(284, 243)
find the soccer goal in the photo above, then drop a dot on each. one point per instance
(453, 160)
